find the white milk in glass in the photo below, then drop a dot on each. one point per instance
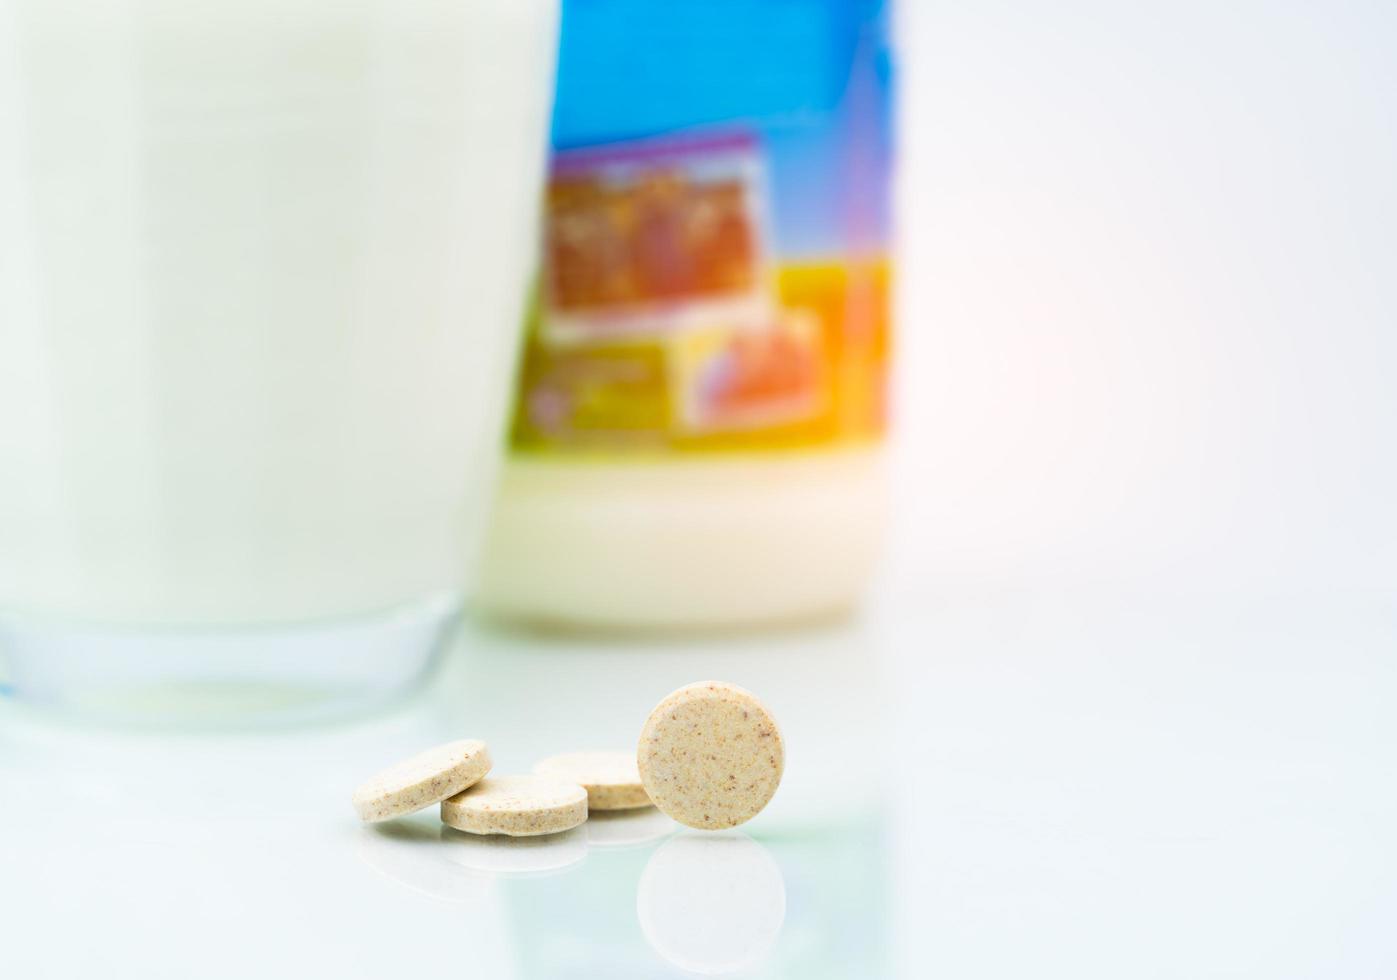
(261, 268)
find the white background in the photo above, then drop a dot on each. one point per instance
(1146, 474)
(1150, 282)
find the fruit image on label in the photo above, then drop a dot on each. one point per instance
(667, 321)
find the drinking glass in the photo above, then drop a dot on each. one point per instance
(262, 265)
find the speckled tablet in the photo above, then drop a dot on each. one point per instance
(520, 806)
(611, 779)
(710, 755)
(428, 777)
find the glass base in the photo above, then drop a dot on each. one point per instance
(222, 677)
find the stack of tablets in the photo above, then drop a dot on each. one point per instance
(710, 756)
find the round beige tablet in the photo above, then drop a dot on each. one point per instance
(520, 806)
(711, 755)
(611, 779)
(426, 778)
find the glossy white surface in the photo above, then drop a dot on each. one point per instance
(986, 786)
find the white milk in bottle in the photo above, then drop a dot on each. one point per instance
(697, 438)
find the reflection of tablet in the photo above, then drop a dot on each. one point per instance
(411, 855)
(627, 828)
(639, 232)
(712, 903)
(496, 854)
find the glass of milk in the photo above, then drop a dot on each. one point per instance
(262, 264)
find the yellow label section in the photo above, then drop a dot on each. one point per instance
(804, 365)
